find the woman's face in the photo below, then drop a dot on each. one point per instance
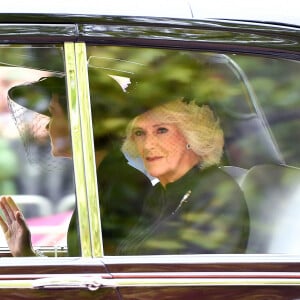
(58, 129)
(163, 148)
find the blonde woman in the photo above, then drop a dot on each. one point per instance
(195, 207)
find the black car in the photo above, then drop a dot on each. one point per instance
(242, 60)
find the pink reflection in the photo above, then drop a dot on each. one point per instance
(51, 230)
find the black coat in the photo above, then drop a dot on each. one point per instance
(140, 219)
(122, 190)
(202, 212)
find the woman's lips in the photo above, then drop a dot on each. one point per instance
(153, 158)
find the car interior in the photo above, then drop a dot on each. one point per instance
(252, 155)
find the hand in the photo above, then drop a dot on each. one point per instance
(14, 226)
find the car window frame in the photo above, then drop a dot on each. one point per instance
(104, 35)
(83, 153)
(83, 33)
(226, 272)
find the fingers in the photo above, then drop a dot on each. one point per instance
(12, 204)
(9, 209)
(20, 219)
(3, 225)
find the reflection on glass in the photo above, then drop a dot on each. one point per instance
(158, 198)
(203, 210)
(40, 181)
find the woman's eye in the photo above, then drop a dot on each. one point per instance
(162, 130)
(139, 133)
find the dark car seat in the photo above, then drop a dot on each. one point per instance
(247, 143)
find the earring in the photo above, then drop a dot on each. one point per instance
(188, 146)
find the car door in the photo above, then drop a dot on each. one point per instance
(238, 68)
(124, 46)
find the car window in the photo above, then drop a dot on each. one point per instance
(154, 197)
(37, 176)
(273, 191)
(274, 81)
(225, 209)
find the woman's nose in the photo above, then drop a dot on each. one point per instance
(149, 142)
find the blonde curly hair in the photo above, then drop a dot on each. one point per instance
(198, 124)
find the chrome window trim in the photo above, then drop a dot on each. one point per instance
(226, 36)
(230, 276)
(265, 260)
(83, 152)
(192, 259)
(94, 281)
(231, 36)
(88, 150)
(37, 33)
(77, 148)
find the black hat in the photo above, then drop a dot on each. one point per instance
(37, 95)
(107, 103)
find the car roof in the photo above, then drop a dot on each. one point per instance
(169, 8)
(267, 11)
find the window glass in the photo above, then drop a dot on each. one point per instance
(272, 191)
(183, 140)
(36, 171)
(275, 83)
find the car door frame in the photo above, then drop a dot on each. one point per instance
(134, 273)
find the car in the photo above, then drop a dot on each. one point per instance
(241, 59)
